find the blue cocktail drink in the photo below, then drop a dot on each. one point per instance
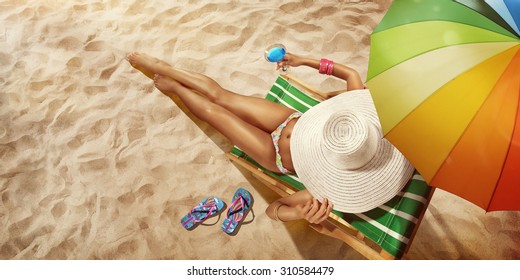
(276, 53)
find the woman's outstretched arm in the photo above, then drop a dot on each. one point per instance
(348, 74)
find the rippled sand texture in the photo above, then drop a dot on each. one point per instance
(97, 164)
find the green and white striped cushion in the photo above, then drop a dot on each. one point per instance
(390, 225)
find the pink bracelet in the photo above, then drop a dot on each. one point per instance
(330, 67)
(326, 66)
(323, 66)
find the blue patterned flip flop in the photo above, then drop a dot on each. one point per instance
(241, 203)
(207, 208)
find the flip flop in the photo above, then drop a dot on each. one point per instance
(204, 210)
(241, 203)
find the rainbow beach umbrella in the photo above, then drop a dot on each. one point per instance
(445, 79)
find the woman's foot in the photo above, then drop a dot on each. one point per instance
(165, 84)
(140, 60)
(147, 64)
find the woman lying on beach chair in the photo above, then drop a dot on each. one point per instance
(336, 148)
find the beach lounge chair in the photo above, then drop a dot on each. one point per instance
(382, 233)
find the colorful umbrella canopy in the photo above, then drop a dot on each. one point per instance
(445, 79)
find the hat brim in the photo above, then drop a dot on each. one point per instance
(351, 191)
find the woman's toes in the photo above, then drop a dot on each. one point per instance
(133, 57)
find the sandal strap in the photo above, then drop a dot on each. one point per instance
(238, 211)
(211, 208)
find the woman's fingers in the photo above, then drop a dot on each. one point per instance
(286, 61)
(315, 212)
(322, 213)
(327, 209)
(311, 207)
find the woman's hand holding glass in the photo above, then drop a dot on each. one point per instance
(290, 60)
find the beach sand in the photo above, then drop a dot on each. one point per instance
(97, 164)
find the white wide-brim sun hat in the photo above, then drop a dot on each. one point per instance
(339, 153)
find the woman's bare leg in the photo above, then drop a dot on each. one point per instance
(259, 112)
(252, 140)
